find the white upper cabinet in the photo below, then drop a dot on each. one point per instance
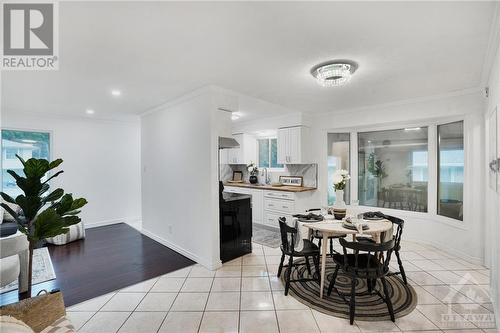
(292, 145)
(245, 154)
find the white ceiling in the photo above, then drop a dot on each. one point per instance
(155, 52)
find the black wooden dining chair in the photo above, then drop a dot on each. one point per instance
(288, 239)
(362, 260)
(399, 223)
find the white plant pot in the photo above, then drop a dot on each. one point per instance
(339, 200)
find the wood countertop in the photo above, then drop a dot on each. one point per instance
(272, 188)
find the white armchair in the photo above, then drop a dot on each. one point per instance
(14, 260)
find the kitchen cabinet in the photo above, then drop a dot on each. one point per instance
(268, 205)
(257, 201)
(245, 154)
(292, 145)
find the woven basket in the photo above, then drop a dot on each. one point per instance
(37, 312)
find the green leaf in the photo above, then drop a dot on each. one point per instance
(29, 205)
(54, 164)
(78, 203)
(53, 176)
(48, 224)
(14, 174)
(70, 220)
(21, 159)
(36, 168)
(7, 198)
(54, 195)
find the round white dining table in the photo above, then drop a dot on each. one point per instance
(332, 228)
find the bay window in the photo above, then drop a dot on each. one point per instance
(392, 169)
(338, 158)
(451, 170)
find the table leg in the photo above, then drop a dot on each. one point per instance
(324, 244)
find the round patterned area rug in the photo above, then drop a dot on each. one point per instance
(368, 307)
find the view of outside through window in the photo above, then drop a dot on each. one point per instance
(268, 153)
(451, 170)
(26, 145)
(338, 158)
(393, 169)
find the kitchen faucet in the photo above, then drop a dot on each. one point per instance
(266, 177)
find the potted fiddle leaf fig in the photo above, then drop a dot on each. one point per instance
(44, 213)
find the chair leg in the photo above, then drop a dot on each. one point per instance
(331, 246)
(387, 298)
(319, 243)
(369, 284)
(281, 264)
(401, 269)
(288, 272)
(308, 265)
(316, 267)
(332, 282)
(352, 301)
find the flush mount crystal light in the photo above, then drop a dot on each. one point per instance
(333, 74)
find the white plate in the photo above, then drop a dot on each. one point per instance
(329, 217)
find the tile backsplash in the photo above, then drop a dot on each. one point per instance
(309, 173)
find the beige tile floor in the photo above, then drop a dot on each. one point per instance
(246, 296)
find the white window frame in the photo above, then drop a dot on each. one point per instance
(51, 143)
(432, 151)
(268, 138)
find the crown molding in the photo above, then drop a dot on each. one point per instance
(180, 99)
(403, 102)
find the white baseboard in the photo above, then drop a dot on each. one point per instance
(455, 252)
(130, 221)
(202, 261)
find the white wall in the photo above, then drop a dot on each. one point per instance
(101, 163)
(179, 176)
(492, 230)
(465, 239)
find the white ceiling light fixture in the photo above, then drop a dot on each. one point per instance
(89, 111)
(334, 73)
(116, 92)
(412, 129)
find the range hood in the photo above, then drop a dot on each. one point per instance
(225, 143)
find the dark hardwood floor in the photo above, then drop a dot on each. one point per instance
(109, 258)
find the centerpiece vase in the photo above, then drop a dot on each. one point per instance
(253, 179)
(339, 207)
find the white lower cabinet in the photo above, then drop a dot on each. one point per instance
(257, 206)
(268, 206)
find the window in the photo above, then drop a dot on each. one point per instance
(419, 166)
(451, 170)
(10, 153)
(392, 169)
(268, 153)
(338, 158)
(25, 144)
